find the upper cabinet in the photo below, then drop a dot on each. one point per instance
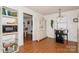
(9, 16)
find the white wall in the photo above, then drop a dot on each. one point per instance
(36, 18)
(72, 27)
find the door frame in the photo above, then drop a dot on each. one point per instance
(32, 24)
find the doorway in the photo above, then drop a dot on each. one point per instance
(27, 27)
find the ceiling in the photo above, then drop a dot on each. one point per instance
(45, 10)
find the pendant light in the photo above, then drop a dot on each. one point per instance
(60, 16)
(60, 20)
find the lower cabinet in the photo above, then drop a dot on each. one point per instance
(60, 36)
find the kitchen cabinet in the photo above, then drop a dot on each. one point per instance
(8, 40)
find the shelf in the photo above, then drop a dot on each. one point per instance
(9, 16)
(9, 20)
(9, 12)
(11, 24)
(10, 33)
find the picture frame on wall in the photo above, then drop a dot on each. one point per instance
(75, 20)
(52, 23)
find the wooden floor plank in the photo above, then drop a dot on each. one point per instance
(47, 45)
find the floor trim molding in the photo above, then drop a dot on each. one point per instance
(65, 42)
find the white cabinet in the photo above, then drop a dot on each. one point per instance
(42, 28)
(10, 38)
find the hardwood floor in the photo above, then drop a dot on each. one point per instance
(47, 45)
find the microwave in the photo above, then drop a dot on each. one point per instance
(9, 28)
